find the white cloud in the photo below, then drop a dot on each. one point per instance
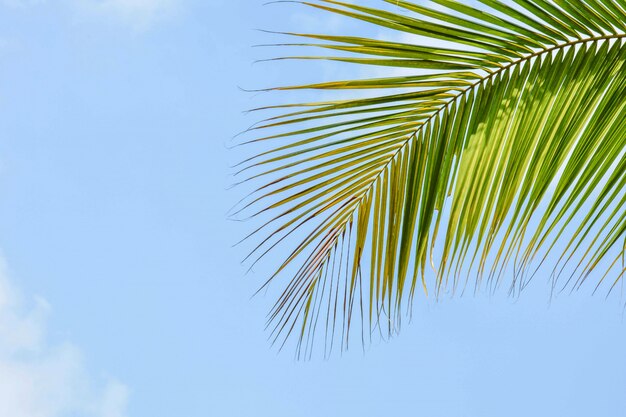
(21, 3)
(38, 379)
(139, 14)
(114, 401)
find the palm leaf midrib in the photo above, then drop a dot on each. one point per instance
(324, 252)
(377, 196)
(357, 201)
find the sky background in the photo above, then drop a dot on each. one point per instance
(120, 292)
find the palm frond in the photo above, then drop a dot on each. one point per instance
(506, 145)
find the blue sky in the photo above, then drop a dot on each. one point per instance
(120, 293)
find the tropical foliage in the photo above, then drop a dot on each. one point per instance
(501, 156)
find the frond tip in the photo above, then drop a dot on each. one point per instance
(504, 146)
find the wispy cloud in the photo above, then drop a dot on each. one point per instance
(139, 14)
(21, 3)
(39, 379)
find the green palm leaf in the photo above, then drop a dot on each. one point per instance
(506, 145)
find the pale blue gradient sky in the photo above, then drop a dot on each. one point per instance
(113, 177)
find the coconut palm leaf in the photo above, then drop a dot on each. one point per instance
(507, 143)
